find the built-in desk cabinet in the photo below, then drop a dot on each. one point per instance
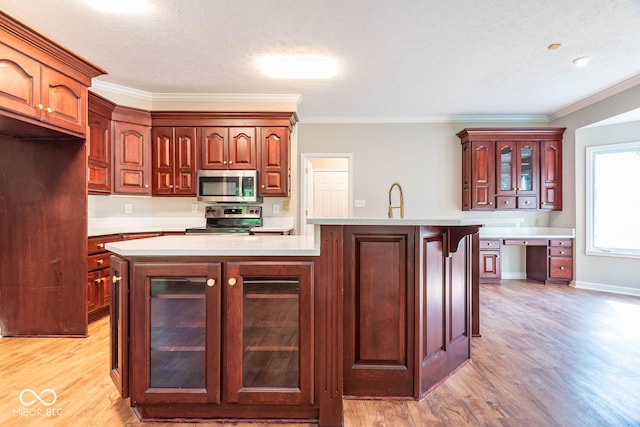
(511, 168)
(547, 260)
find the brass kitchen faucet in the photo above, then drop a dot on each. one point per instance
(401, 207)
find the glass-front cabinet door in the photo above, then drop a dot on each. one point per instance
(517, 174)
(268, 332)
(180, 304)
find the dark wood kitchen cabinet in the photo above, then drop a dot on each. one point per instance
(99, 143)
(98, 280)
(182, 310)
(511, 168)
(43, 193)
(40, 89)
(174, 161)
(132, 151)
(229, 148)
(490, 261)
(274, 162)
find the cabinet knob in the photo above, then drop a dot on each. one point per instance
(39, 106)
(230, 162)
(211, 282)
(489, 244)
(100, 245)
(544, 203)
(100, 261)
(490, 203)
(262, 186)
(232, 281)
(97, 280)
(561, 252)
(49, 110)
(525, 242)
(170, 186)
(224, 162)
(115, 279)
(562, 268)
(561, 243)
(526, 203)
(146, 186)
(506, 202)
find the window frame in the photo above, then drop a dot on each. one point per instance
(591, 154)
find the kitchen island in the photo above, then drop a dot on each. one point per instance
(282, 327)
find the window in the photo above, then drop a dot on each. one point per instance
(613, 200)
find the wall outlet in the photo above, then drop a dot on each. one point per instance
(276, 208)
(536, 222)
(359, 203)
(128, 208)
(194, 208)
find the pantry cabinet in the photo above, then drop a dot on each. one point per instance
(511, 168)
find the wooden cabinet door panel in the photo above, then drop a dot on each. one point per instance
(19, 82)
(162, 166)
(131, 159)
(274, 165)
(185, 161)
(551, 175)
(490, 264)
(64, 101)
(482, 175)
(243, 153)
(99, 153)
(214, 148)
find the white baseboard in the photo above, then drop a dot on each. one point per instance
(606, 288)
(513, 276)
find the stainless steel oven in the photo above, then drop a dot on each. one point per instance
(230, 219)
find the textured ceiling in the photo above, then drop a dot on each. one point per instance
(398, 60)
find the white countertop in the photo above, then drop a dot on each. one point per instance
(218, 245)
(527, 232)
(123, 225)
(435, 221)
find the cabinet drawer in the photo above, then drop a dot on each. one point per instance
(96, 244)
(505, 202)
(526, 242)
(98, 261)
(489, 244)
(560, 268)
(559, 242)
(555, 251)
(527, 202)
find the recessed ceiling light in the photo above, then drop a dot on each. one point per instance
(120, 6)
(581, 61)
(298, 67)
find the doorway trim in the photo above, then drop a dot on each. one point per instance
(305, 159)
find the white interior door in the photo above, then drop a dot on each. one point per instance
(330, 194)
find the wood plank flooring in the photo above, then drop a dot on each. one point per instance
(548, 356)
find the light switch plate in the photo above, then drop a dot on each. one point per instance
(359, 203)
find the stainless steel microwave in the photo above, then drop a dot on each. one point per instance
(228, 186)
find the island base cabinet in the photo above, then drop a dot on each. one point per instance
(217, 338)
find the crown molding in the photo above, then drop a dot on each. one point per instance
(599, 96)
(491, 118)
(195, 97)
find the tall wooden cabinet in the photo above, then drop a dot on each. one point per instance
(274, 162)
(511, 168)
(43, 225)
(99, 145)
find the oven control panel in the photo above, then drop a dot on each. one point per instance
(233, 211)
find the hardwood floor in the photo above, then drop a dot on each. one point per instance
(548, 356)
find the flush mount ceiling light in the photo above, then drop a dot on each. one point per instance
(554, 46)
(298, 67)
(581, 61)
(120, 6)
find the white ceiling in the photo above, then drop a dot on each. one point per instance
(400, 60)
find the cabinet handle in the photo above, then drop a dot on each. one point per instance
(115, 279)
(232, 281)
(525, 242)
(526, 203)
(497, 256)
(100, 261)
(146, 186)
(211, 282)
(262, 186)
(506, 202)
(224, 162)
(230, 162)
(170, 186)
(561, 243)
(562, 268)
(490, 203)
(49, 110)
(489, 244)
(100, 245)
(561, 252)
(39, 106)
(97, 280)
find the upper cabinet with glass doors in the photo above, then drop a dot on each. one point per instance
(528, 169)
